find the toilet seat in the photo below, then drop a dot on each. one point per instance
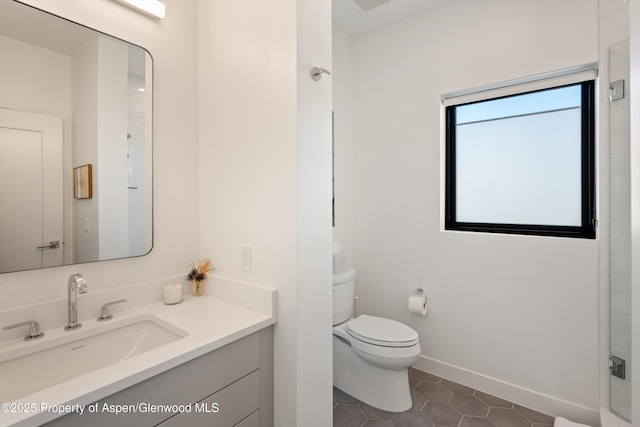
(380, 342)
(382, 332)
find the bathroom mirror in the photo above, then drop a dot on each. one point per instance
(72, 100)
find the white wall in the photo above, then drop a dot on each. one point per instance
(520, 310)
(172, 43)
(84, 93)
(138, 168)
(315, 292)
(247, 155)
(44, 89)
(110, 171)
(264, 169)
(344, 140)
(45, 85)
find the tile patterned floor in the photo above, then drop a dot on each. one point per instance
(438, 402)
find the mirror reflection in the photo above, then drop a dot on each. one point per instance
(75, 143)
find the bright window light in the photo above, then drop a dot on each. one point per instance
(523, 164)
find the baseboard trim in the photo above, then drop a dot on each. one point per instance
(609, 419)
(514, 393)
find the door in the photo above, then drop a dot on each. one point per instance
(31, 184)
(620, 237)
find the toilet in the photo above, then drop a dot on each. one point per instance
(371, 355)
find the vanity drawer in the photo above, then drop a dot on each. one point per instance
(252, 420)
(234, 403)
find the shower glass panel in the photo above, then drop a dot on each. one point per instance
(620, 230)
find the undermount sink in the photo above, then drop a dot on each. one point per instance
(26, 368)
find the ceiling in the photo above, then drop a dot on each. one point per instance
(30, 25)
(347, 14)
(33, 26)
(354, 21)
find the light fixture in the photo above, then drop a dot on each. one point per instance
(153, 8)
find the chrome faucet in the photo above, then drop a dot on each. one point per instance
(104, 311)
(34, 330)
(76, 285)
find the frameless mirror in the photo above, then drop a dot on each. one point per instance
(75, 143)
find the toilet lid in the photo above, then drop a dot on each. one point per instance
(381, 331)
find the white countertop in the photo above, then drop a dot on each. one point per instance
(210, 322)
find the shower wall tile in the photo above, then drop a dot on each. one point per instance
(605, 242)
(620, 343)
(605, 160)
(621, 262)
(621, 283)
(605, 183)
(620, 163)
(619, 183)
(620, 302)
(620, 204)
(605, 304)
(605, 332)
(604, 145)
(621, 243)
(605, 281)
(605, 261)
(621, 322)
(621, 224)
(620, 144)
(604, 206)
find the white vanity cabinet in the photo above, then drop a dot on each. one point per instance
(231, 386)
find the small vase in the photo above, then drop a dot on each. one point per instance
(198, 288)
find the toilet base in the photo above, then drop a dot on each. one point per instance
(386, 389)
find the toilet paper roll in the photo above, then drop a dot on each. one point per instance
(339, 263)
(418, 304)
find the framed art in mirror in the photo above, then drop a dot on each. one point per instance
(82, 185)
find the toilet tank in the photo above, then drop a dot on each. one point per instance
(343, 293)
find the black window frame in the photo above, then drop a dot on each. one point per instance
(587, 229)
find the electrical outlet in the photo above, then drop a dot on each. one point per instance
(245, 258)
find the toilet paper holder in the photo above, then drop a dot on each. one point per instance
(418, 291)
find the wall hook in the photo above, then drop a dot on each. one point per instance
(316, 73)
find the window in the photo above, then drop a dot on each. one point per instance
(523, 164)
